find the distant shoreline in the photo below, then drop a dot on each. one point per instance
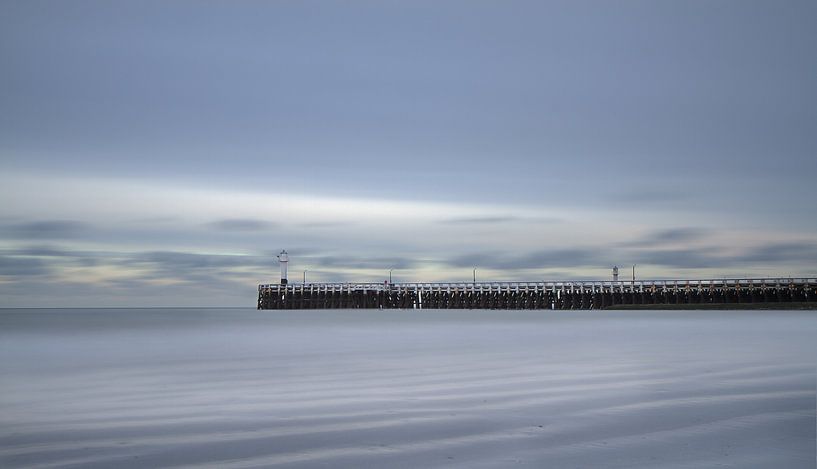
(722, 306)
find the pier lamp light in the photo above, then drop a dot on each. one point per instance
(283, 259)
(475, 275)
(390, 276)
(305, 271)
(634, 273)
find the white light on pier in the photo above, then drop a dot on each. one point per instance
(283, 259)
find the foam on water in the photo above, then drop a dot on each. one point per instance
(243, 388)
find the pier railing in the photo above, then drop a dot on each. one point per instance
(555, 284)
(578, 294)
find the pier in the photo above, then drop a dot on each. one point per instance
(535, 295)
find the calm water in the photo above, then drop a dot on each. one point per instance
(246, 388)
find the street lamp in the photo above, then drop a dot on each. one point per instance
(475, 275)
(634, 273)
(390, 276)
(305, 276)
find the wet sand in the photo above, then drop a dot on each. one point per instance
(470, 389)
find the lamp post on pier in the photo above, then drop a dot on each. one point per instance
(634, 274)
(390, 276)
(283, 259)
(305, 276)
(475, 275)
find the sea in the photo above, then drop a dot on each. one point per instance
(240, 388)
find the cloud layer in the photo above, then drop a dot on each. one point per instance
(183, 253)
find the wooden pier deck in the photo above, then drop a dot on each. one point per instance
(535, 295)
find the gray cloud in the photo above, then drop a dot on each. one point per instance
(668, 236)
(54, 255)
(650, 196)
(167, 265)
(295, 252)
(40, 251)
(327, 224)
(782, 252)
(182, 260)
(479, 220)
(204, 269)
(22, 266)
(48, 229)
(706, 257)
(496, 219)
(677, 234)
(242, 224)
(681, 258)
(532, 260)
(771, 254)
(158, 220)
(388, 262)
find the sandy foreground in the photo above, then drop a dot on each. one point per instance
(471, 389)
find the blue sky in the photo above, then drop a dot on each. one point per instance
(161, 153)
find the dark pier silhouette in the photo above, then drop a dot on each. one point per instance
(536, 295)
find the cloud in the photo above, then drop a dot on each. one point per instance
(773, 255)
(495, 219)
(532, 260)
(682, 258)
(327, 224)
(677, 234)
(650, 196)
(782, 252)
(241, 224)
(55, 255)
(40, 251)
(478, 220)
(173, 260)
(668, 236)
(705, 257)
(383, 263)
(48, 229)
(211, 270)
(22, 266)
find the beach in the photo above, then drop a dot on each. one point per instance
(225, 387)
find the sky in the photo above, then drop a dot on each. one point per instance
(159, 153)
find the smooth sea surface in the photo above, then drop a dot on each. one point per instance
(220, 388)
